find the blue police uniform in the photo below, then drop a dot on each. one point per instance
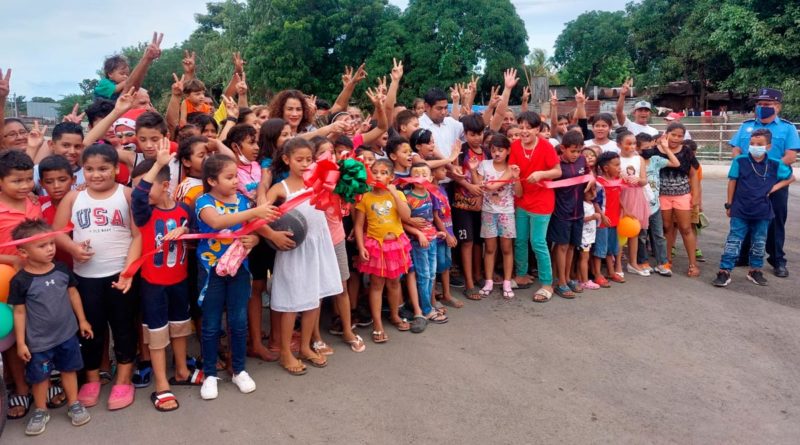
(784, 137)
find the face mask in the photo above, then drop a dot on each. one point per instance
(757, 151)
(764, 112)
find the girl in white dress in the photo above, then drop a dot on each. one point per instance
(307, 273)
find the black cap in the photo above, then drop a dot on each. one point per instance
(769, 94)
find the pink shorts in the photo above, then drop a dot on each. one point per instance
(680, 202)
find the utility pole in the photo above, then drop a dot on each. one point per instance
(16, 112)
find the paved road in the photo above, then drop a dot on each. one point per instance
(655, 360)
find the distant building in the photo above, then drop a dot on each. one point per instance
(44, 111)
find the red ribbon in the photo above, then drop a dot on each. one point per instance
(37, 237)
(245, 230)
(430, 187)
(322, 181)
(549, 184)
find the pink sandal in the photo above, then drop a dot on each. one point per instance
(89, 394)
(121, 397)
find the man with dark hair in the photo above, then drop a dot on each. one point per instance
(446, 130)
(785, 144)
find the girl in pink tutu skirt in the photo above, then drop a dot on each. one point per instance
(385, 251)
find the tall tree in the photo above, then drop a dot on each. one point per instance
(593, 47)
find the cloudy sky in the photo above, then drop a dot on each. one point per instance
(53, 46)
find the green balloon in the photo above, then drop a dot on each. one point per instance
(6, 319)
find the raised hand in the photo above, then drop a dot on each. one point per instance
(36, 135)
(163, 156)
(553, 97)
(231, 107)
(454, 94)
(125, 101)
(526, 94)
(153, 50)
(347, 77)
(579, 96)
(397, 70)
(473, 83)
(510, 78)
(74, 117)
(238, 63)
(189, 61)
(494, 98)
(375, 97)
(626, 87)
(241, 85)
(382, 89)
(177, 86)
(360, 74)
(311, 103)
(5, 83)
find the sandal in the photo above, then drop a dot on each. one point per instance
(318, 362)
(143, 375)
(488, 287)
(440, 308)
(473, 294)
(322, 348)
(161, 398)
(437, 317)
(18, 400)
(564, 292)
(121, 396)
(543, 295)
(299, 369)
(602, 282)
(357, 345)
(616, 277)
(379, 337)
(693, 271)
(401, 325)
(453, 302)
(54, 391)
(419, 324)
(508, 290)
(575, 286)
(194, 379)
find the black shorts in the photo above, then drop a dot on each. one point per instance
(565, 232)
(467, 225)
(261, 259)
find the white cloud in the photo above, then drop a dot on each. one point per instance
(52, 47)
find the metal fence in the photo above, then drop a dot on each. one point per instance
(712, 138)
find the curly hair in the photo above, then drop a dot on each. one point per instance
(279, 101)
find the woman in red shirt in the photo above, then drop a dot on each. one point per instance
(537, 161)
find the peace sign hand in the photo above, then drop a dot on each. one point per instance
(177, 87)
(231, 107)
(5, 83)
(397, 70)
(241, 84)
(153, 50)
(553, 97)
(238, 63)
(526, 94)
(189, 61)
(36, 135)
(74, 117)
(579, 96)
(626, 87)
(125, 101)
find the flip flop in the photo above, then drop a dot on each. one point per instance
(516, 285)
(142, 376)
(564, 292)
(379, 337)
(162, 397)
(295, 370)
(452, 302)
(317, 362)
(544, 294)
(194, 379)
(401, 325)
(19, 400)
(473, 294)
(52, 392)
(357, 345)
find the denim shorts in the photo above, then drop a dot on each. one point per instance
(444, 259)
(65, 357)
(606, 242)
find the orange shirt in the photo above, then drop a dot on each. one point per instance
(203, 108)
(10, 219)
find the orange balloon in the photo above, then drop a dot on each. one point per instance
(628, 227)
(6, 274)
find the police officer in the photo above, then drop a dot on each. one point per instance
(785, 145)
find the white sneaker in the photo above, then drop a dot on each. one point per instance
(243, 381)
(641, 272)
(209, 389)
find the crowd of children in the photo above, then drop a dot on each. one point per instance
(180, 194)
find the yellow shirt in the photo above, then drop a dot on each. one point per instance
(382, 215)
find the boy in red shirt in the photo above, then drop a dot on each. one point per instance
(164, 285)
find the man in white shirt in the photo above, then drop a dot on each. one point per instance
(446, 130)
(641, 112)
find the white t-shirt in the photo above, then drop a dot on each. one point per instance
(637, 128)
(589, 228)
(444, 134)
(608, 146)
(500, 200)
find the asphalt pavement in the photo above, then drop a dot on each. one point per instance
(654, 360)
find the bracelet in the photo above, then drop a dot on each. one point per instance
(231, 119)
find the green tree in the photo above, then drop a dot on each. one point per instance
(48, 100)
(540, 65)
(586, 46)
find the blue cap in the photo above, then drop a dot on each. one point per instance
(769, 94)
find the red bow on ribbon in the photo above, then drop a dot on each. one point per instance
(322, 181)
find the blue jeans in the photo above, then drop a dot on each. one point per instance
(655, 233)
(532, 227)
(776, 233)
(424, 259)
(231, 293)
(740, 228)
(444, 258)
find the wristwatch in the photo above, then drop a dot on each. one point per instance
(727, 206)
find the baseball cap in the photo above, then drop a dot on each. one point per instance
(769, 94)
(642, 104)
